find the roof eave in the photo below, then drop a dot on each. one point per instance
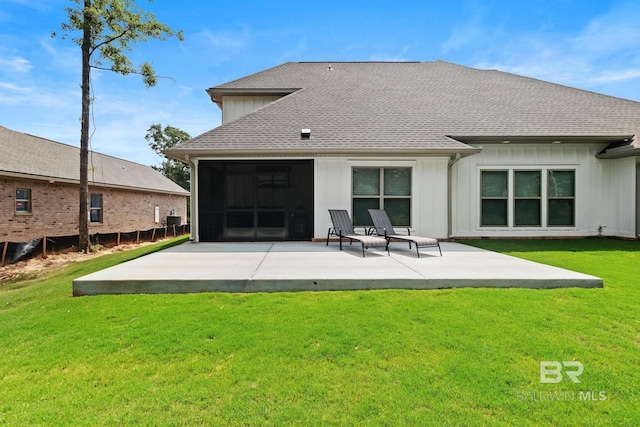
(542, 139)
(185, 155)
(217, 93)
(55, 180)
(619, 152)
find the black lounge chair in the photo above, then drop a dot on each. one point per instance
(383, 227)
(343, 228)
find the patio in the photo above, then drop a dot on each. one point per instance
(306, 266)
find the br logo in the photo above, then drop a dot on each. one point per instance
(551, 372)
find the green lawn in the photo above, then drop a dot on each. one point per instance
(445, 357)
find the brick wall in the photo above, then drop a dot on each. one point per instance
(54, 210)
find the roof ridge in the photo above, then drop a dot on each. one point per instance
(73, 146)
(363, 62)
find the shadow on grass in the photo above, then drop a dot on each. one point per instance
(593, 244)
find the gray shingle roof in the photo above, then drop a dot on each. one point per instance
(406, 107)
(40, 158)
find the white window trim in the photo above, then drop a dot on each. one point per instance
(381, 165)
(28, 200)
(544, 211)
(100, 209)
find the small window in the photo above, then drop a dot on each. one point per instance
(494, 198)
(561, 197)
(23, 200)
(95, 212)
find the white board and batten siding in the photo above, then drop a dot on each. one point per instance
(333, 190)
(605, 190)
(637, 196)
(234, 107)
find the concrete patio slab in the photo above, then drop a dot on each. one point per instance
(306, 266)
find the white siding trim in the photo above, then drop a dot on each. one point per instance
(234, 107)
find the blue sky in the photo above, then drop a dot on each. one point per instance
(592, 45)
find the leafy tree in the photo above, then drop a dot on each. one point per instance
(160, 139)
(109, 29)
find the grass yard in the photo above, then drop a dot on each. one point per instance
(445, 357)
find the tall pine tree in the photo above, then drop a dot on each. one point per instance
(108, 30)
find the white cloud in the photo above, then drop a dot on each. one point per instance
(605, 51)
(39, 5)
(226, 40)
(14, 89)
(15, 64)
(613, 76)
(63, 54)
(468, 32)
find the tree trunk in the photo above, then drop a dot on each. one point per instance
(83, 220)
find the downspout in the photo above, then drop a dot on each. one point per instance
(195, 220)
(452, 162)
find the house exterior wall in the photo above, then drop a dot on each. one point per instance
(54, 210)
(234, 107)
(333, 190)
(605, 190)
(638, 197)
(617, 203)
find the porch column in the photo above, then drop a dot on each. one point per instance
(195, 220)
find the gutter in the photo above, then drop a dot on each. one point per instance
(619, 152)
(293, 152)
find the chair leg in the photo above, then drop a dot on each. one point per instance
(328, 234)
(418, 250)
(363, 250)
(439, 249)
(341, 242)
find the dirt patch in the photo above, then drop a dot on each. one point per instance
(36, 266)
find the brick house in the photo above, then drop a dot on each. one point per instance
(39, 191)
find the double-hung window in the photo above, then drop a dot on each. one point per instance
(561, 197)
(527, 201)
(527, 198)
(23, 200)
(494, 198)
(95, 210)
(387, 188)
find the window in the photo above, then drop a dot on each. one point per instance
(23, 200)
(494, 195)
(561, 201)
(95, 211)
(527, 198)
(523, 191)
(382, 188)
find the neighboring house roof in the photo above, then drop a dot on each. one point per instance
(405, 107)
(33, 157)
